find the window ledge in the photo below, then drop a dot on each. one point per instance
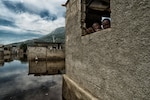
(102, 31)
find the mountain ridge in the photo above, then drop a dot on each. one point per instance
(57, 35)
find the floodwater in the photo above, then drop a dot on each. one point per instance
(30, 80)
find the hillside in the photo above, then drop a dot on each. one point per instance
(58, 35)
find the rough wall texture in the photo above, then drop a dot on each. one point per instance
(45, 53)
(34, 52)
(1, 54)
(73, 91)
(7, 52)
(46, 67)
(112, 64)
(37, 67)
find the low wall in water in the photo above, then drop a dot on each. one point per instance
(46, 67)
(43, 53)
(1, 54)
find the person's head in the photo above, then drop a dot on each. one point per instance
(96, 27)
(89, 30)
(106, 23)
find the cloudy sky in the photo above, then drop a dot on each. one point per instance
(27, 19)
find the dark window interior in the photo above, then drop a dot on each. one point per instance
(95, 10)
(5, 48)
(95, 16)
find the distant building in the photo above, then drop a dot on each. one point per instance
(51, 45)
(1, 55)
(7, 49)
(1, 50)
(46, 51)
(1, 47)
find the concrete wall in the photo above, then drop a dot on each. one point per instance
(111, 64)
(1, 53)
(56, 53)
(1, 58)
(37, 67)
(1, 49)
(34, 52)
(46, 67)
(8, 58)
(7, 52)
(45, 53)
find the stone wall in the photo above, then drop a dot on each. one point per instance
(111, 64)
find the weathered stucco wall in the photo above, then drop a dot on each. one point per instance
(1, 54)
(34, 52)
(46, 67)
(56, 53)
(112, 64)
(44, 53)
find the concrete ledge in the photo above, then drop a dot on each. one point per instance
(72, 91)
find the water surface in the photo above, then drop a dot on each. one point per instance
(18, 83)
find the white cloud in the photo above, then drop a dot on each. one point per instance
(36, 23)
(53, 6)
(33, 22)
(8, 28)
(27, 22)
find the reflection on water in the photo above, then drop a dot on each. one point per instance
(46, 68)
(16, 84)
(9, 58)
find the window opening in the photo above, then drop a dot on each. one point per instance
(97, 15)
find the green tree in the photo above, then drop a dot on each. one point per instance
(23, 47)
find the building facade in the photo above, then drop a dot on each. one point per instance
(46, 51)
(111, 64)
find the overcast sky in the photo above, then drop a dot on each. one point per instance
(26, 19)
